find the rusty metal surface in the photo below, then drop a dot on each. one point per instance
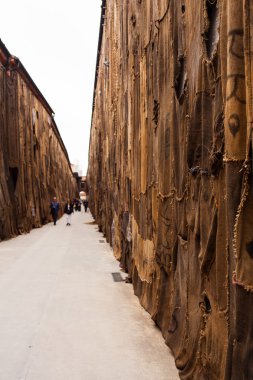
(170, 172)
(34, 165)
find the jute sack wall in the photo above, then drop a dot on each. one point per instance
(170, 172)
(33, 160)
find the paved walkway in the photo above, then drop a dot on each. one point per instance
(63, 317)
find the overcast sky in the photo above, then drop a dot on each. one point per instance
(56, 40)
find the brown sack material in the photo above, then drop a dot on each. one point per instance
(170, 171)
(34, 164)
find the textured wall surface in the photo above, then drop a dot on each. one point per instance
(170, 172)
(34, 164)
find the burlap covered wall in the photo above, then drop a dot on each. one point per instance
(34, 165)
(170, 172)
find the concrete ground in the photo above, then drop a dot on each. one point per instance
(63, 317)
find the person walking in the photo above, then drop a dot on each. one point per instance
(85, 202)
(68, 210)
(54, 205)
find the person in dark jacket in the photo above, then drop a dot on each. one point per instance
(54, 205)
(85, 202)
(68, 210)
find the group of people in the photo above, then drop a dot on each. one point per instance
(69, 208)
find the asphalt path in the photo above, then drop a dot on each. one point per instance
(62, 315)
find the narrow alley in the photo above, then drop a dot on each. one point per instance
(64, 317)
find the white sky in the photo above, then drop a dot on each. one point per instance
(56, 40)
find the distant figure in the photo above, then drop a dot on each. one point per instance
(86, 203)
(68, 210)
(54, 209)
(76, 204)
